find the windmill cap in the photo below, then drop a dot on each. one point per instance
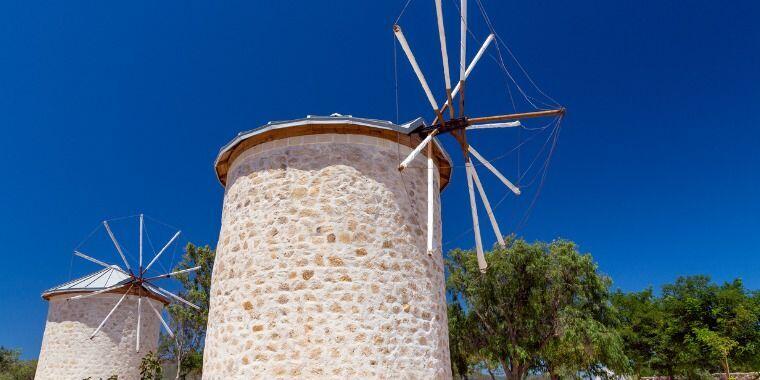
(102, 279)
(336, 123)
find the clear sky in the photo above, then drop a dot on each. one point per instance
(108, 110)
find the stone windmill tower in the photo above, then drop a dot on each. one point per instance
(69, 352)
(322, 267)
(104, 323)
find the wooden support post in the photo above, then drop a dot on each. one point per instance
(482, 264)
(409, 55)
(493, 170)
(487, 205)
(461, 98)
(163, 291)
(444, 52)
(417, 150)
(508, 124)
(139, 317)
(163, 322)
(461, 137)
(162, 251)
(116, 244)
(141, 245)
(450, 100)
(516, 116)
(462, 40)
(462, 54)
(467, 72)
(430, 200)
(170, 274)
(96, 261)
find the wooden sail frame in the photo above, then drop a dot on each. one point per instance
(458, 126)
(134, 283)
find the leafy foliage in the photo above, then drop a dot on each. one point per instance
(150, 367)
(458, 348)
(694, 327)
(13, 368)
(189, 325)
(719, 345)
(641, 322)
(540, 306)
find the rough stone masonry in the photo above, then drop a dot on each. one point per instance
(321, 268)
(68, 353)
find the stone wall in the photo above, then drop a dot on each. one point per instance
(717, 376)
(69, 354)
(321, 268)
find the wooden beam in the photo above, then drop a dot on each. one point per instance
(493, 170)
(460, 85)
(482, 264)
(116, 244)
(163, 322)
(487, 205)
(516, 116)
(421, 77)
(427, 141)
(167, 275)
(139, 317)
(430, 199)
(150, 264)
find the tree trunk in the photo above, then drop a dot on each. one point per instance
(552, 375)
(490, 373)
(725, 366)
(516, 373)
(513, 371)
(179, 360)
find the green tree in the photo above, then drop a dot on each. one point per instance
(8, 359)
(736, 316)
(584, 344)
(459, 350)
(540, 306)
(695, 327)
(694, 304)
(718, 345)
(13, 368)
(686, 304)
(189, 325)
(641, 323)
(150, 367)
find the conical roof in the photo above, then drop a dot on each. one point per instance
(104, 278)
(403, 134)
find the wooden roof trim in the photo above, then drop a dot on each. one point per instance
(120, 291)
(411, 141)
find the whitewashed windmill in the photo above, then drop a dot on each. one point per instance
(134, 281)
(458, 125)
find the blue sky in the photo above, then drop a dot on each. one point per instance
(110, 110)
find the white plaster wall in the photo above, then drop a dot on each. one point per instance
(321, 268)
(67, 351)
